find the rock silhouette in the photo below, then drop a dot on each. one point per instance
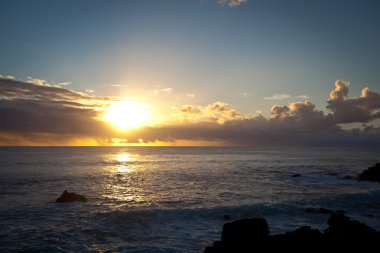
(70, 197)
(317, 210)
(252, 235)
(371, 174)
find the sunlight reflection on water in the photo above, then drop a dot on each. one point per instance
(122, 186)
(123, 157)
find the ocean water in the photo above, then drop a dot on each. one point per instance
(171, 199)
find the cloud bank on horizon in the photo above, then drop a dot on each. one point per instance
(38, 113)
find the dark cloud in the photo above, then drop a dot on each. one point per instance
(298, 123)
(257, 132)
(12, 89)
(32, 110)
(23, 115)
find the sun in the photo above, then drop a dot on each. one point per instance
(126, 115)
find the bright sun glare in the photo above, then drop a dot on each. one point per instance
(125, 115)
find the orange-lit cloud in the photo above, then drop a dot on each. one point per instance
(216, 112)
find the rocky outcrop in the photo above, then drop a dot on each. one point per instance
(344, 230)
(252, 235)
(70, 197)
(371, 174)
(317, 210)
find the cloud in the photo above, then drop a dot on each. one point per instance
(165, 91)
(358, 109)
(29, 109)
(258, 131)
(231, 3)
(115, 85)
(298, 123)
(341, 90)
(7, 77)
(286, 96)
(39, 113)
(64, 83)
(246, 95)
(216, 112)
(190, 95)
(304, 97)
(42, 91)
(280, 111)
(278, 97)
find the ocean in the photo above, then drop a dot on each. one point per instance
(172, 199)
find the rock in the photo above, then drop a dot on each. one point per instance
(252, 235)
(343, 229)
(245, 231)
(296, 175)
(348, 177)
(371, 174)
(317, 210)
(301, 235)
(70, 197)
(332, 174)
(240, 235)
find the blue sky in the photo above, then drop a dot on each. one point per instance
(217, 62)
(200, 47)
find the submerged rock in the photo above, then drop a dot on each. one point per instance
(371, 174)
(296, 175)
(252, 235)
(348, 178)
(70, 197)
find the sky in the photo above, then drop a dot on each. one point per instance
(207, 72)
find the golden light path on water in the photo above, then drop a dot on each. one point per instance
(123, 158)
(124, 185)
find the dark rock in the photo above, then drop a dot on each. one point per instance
(252, 235)
(317, 210)
(70, 197)
(301, 235)
(371, 174)
(245, 231)
(341, 228)
(296, 175)
(332, 174)
(348, 177)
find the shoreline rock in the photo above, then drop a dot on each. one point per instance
(371, 174)
(318, 210)
(253, 235)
